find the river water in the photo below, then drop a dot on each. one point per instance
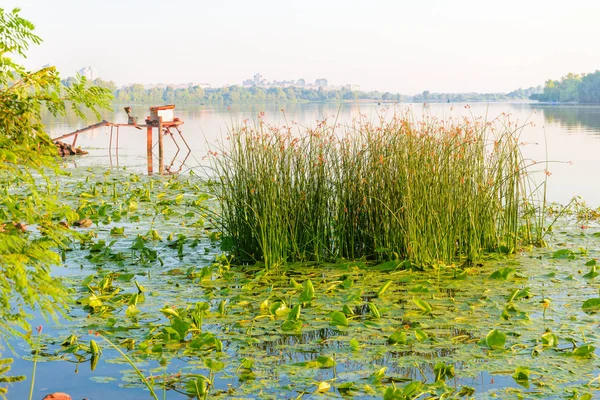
(567, 135)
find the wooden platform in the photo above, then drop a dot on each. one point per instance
(163, 128)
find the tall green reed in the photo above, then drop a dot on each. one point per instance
(398, 188)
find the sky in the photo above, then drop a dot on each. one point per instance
(388, 45)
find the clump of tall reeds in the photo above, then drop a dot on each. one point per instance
(425, 190)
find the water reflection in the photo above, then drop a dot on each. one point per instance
(583, 118)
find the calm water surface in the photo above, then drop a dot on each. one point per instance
(567, 136)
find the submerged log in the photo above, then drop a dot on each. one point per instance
(65, 149)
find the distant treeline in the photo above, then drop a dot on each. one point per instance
(580, 88)
(137, 94)
(519, 94)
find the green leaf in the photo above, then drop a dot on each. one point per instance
(338, 319)
(521, 376)
(346, 386)
(279, 309)
(170, 334)
(214, 365)
(466, 391)
(323, 387)
(132, 311)
(377, 376)
(585, 351)
(94, 301)
(169, 312)
(591, 305)
(325, 362)
(294, 315)
(423, 305)
(198, 386)
(94, 362)
(592, 274)
(291, 325)
(383, 288)
(503, 273)
(549, 339)
(412, 389)
(308, 293)
(295, 284)
(347, 310)
(116, 231)
(398, 337)
(517, 294)
(374, 311)
(495, 339)
(354, 345)
(133, 300)
(420, 335)
(125, 277)
(393, 393)
(94, 349)
(443, 371)
(181, 327)
(563, 254)
(387, 266)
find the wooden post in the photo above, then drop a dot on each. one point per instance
(117, 147)
(149, 148)
(109, 141)
(161, 166)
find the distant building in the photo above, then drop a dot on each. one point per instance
(177, 85)
(89, 73)
(321, 82)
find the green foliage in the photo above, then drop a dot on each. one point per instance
(582, 88)
(430, 97)
(234, 94)
(137, 94)
(423, 305)
(24, 94)
(398, 337)
(495, 339)
(591, 305)
(308, 293)
(443, 371)
(338, 319)
(589, 89)
(549, 339)
(521, 376)
(27, 194)
(266, 331)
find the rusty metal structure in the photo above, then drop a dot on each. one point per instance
(161, 118)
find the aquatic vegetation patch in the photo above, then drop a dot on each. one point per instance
(426, 191)
(189, 321)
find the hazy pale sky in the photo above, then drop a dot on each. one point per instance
(395, 45)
